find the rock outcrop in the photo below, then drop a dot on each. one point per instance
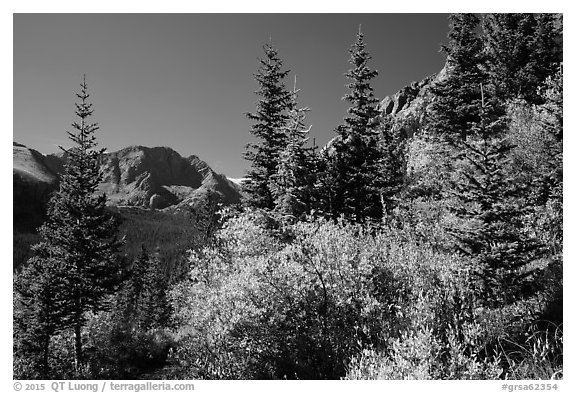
(409, 106)
(159, 177)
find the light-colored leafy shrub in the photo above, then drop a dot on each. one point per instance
(255, 307)
(324, 299)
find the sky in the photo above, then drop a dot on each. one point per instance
(185, 81)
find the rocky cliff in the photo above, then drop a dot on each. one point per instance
(159, 177)
(409, 106)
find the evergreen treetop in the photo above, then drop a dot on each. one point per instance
(458, 98)
(491, 205)
(363, 110)
(352, 178)
(522, 51)
(270, 117)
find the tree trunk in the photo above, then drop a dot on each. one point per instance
(78, 347)
(45, 357)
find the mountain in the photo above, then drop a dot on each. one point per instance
(153, 178)
(33, 182)
(159, 177)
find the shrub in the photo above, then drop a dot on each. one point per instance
(256, 307)
(421, 354)
(117, 351)
(325, 299)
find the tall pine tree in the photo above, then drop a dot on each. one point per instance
(469, 116)
(352, 178)
(129, 298)
(291, 185)
(493, 206)
(155, 309)
(457, 102)
(270, 117)
(79, 233)
(142, 302)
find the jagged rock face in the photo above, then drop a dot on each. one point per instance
(159, 177)
(135, 176)
(409, 106)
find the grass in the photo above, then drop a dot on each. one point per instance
(539, 357)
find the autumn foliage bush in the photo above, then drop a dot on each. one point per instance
(256, 306)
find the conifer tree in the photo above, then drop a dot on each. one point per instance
(154, 308)
(469, 116)
(352, 179)
(292, 183)
(133, 287)
(79, 232)
(392, 164)
(458, 98)
(270, 120)
(493, 205)
(522, 51)
(38, 316)
(547, 51)
(143, 303)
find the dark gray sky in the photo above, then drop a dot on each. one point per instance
(186, 80)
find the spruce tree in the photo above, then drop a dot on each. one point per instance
(38, 315)
(522, 51)
(154, 307)
(292, 183)
(79, 233)
(270, 117)
(493, 206)
(352, 179)
(458, 97)
(469, 116)
(143, 303)
(129, 298)
(392, 165)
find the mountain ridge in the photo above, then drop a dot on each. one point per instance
(149, 177)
